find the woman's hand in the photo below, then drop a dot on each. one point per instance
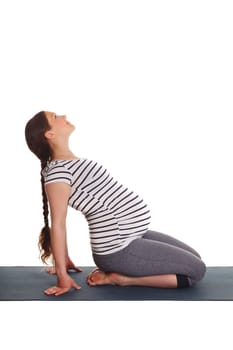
(69, 266)
(64, 284)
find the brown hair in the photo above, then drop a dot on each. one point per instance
(38, 144)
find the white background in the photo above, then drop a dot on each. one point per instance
(148, 85)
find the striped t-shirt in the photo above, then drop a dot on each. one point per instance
(115, 215)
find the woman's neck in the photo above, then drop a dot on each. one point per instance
(63, 153)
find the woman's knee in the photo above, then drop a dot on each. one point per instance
(198, 272)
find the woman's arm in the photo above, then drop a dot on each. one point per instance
(58, 194)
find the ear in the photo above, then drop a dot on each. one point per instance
(49, 134)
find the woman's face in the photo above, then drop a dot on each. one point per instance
(58, 123)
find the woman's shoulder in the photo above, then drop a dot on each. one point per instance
(53, 165)
(62, 164)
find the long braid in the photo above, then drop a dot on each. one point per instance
(44, 197)
(44, 238)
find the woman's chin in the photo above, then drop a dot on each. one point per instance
(72, 127)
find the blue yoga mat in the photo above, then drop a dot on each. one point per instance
(28, 283)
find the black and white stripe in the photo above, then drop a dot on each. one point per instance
(115, 215)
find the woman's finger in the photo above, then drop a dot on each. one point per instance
(51, 291)
(77, 269)
(56, 291)
(51, 270)
(75, 285)
(61, 291)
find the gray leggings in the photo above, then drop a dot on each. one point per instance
(154, 254)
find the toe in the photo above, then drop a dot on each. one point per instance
(90, 278)
(97, 277)
(90, 281)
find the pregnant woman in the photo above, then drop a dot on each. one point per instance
(124, 250)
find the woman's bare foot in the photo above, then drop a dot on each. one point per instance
(98, 277)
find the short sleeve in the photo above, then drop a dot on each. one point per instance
(57, 173)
